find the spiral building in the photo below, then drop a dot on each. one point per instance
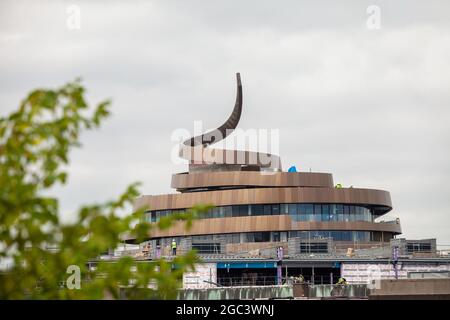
(260, 210)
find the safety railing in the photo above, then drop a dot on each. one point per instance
(261, 280)
(248, 281)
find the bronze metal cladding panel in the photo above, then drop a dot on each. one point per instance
(268, 223)
(267, 195)
(243, 178)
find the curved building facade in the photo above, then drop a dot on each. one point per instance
(257, 205)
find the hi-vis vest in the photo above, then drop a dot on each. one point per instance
(174, 245)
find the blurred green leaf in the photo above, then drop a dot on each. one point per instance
(35, 142)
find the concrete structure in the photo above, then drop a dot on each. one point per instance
(326, 230)
(424, 247)
(412, 289)
(364, 271)
(406, 289)
(238, 293)
(204, 276)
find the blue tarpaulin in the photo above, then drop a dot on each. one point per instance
(292, 169)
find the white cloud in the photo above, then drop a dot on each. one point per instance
(369, 106)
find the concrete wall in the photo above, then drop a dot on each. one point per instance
(388, 289)
(361, 272)
(203, 272)
(294, 244)
(237, 293)
(347, 291)
(412, 289)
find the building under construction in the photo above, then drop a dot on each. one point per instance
(270, 227)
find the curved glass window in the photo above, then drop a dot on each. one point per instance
(363, 236)
(296, 211)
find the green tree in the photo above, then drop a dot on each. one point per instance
(35, 142)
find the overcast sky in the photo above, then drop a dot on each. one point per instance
(369, 105)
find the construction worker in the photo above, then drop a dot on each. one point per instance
(174, 247)
(299, 279)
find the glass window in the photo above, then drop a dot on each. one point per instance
(346, 210)
(362, 236)
(258, 237)
(232, 238)
(333, 213)
(293, 234)
(347, 236)
(315, 235)
(221, 212)
(205, 248)
(354, 211)
(228, 211)
(301, 208)
(318, 247)
(302, 215)
(292, 209)
(367, 215)
(335, 235)
(319, 234)
(317, 212)
(284, 208)
(206, 237)
(340, 212)
(235, 211)
(317, 209)
(325, 212)
(412, 247)
(359, 213)
(275, 236)
(275, 209)
(351, 217)
(243, 210)
(257, 209)
(309, 212)
(346, 213)
(267, 210)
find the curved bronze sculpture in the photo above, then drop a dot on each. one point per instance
(195, 149)
(225, 129)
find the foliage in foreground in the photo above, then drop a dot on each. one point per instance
(34, 146)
